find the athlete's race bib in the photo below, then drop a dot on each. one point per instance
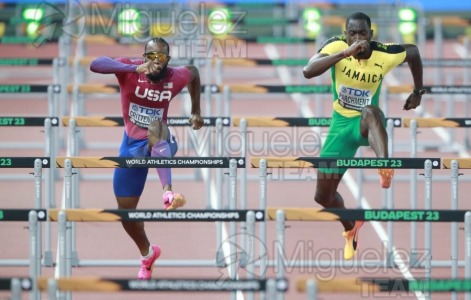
(142, 116)
(353, 98)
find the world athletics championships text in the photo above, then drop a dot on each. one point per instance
(150, 161)
(184, 215)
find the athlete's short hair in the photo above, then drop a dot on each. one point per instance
(157, 40)
(358, 16)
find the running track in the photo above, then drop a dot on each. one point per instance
(193, 241)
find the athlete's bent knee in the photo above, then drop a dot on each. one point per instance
(157, 131)
(323, 198)
(127, 202)
(370, 111)
(372, 115)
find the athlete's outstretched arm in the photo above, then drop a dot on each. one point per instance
(194, 88)
(106, 65)
(415, 64)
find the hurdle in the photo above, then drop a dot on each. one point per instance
(51, 147)
(406, 163)
(50, 90)
(32, 216)
(305, 214)
(315, 122)
(392, 122)
(112, 121)
(60, 68)
(232, 215)
(117, 121)
(243, 123)
(327, 89)
(438, 23)
(388, 215)
(50, 126)
(37, 164)
(413, 124)
(431, 89)
(83, 284)
(218, 122)
(100, 215)
(178, 162)
(450, 144)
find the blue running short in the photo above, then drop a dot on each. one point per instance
(129, 182)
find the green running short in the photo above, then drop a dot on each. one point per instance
(343, 140)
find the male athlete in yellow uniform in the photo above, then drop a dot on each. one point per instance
(358, 66)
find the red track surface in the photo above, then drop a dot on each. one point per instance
(194, 241)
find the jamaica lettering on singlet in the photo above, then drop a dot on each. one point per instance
(357, 83)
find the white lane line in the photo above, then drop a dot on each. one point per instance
(226, 250)
(285, 77)
(460, 50)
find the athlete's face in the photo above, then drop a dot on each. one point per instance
(358, 30)
(158, 54)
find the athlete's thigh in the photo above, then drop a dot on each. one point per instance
(341, 141)
(129, 182)
(157, 131)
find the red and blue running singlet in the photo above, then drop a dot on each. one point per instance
(143, 102)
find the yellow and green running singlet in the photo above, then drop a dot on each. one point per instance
(357, 83)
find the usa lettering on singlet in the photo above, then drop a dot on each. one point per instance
(142, 116)
(354, 98)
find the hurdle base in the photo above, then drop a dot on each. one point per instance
(414, 261)
(47, 261)
(220, 260)
(74, 260)
(390, 260)
(243, 259)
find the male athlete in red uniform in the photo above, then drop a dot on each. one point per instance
(147, 87)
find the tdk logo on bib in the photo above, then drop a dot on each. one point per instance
(355, 99)
(146, 110)
(153, 95)
(355, 92)
(143, 116)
